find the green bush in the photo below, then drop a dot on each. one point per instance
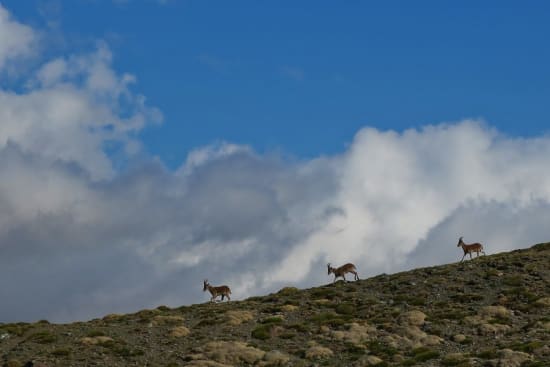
(208, 322)
(425, 356)
(288, 291)
(300, 327)
(62, 352)
(453, 361)
(488, 354)
(345, 309)
(94, 333)
(465, 298)
(330, 318)
(18, 329)
(262, 332)
(13, 363)
(272, 320)
(325, 293)
(381, 350)
(513, 280)
(528, 347)
(123, 351)
(42, 337)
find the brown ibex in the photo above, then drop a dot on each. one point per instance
(222, 290)
(469, 248)
(342, 271)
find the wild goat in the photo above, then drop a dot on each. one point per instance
(222, 290)
(342, 271)
(469, 248)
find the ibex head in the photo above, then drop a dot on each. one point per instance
(205, 285)
(460, 242)
(328, 268)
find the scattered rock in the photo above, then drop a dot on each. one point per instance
(352, 324)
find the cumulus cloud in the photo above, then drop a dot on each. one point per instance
(80, 238)
(73, 109)
(16, 39)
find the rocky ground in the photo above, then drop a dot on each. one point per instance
(492, 311)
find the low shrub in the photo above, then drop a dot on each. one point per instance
(42, 337)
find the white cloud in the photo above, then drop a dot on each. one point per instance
(203, 155)
(396, 190)
(148, 237)
(79, 239)
(16, 39)
(72, 108)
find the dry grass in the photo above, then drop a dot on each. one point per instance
(544, 302)
(511, 358)
(355, 333)
(236, 317)
(494, 311)
(318, 352)
(413, 318)
(179, 332)
(232, 352)
(167, 320)
(96, 340)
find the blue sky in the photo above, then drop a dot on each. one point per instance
(303, 77)
(148, 145)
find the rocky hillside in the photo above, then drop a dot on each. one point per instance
(491, 311)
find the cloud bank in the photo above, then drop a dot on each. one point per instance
(80, 237)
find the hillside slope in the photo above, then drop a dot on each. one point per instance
(492, 311)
